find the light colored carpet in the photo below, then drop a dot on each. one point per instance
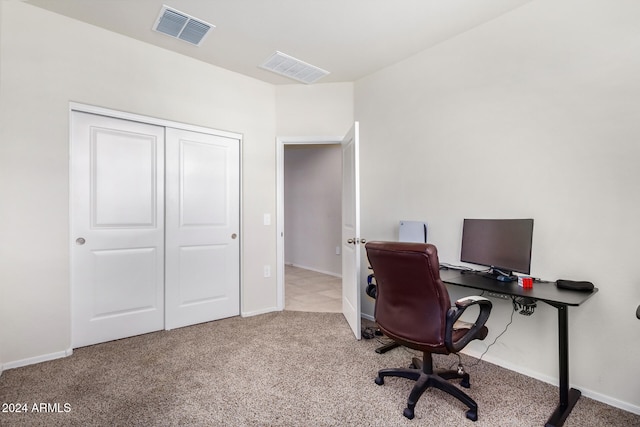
(278, 369)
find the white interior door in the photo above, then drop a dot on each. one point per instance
(117, 228)
(202, 228)
(351, 230)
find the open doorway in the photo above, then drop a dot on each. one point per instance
(351, 240)
(312, 227)
(309, 224)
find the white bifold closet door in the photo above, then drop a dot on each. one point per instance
(202, 227)
(146, 255)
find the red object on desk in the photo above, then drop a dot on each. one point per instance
(525, 282)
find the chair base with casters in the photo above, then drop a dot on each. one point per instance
(422, 372)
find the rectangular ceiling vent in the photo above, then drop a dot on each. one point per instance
(182, 26)
(293, 68)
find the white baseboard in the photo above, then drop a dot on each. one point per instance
(329, 273)
(629, 407)
(512, 367)
(626, 406)
(258, 312)
(368, 317)
(37, 359)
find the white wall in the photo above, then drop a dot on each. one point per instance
(55, 60)
(323, 109)
(313, 207)
(534, 114)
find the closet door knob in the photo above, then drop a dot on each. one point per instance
(80, 241)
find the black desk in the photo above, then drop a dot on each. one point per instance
(546, 292)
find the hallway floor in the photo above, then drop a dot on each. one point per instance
(307, 290)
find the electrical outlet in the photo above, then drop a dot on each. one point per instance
(337, 250)
(267, 219)
(267, 271)
(500, 296)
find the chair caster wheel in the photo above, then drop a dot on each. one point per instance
(379, 380)
(472, 415)
(408, 413)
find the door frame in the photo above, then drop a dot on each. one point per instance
(92, 109)
(281, 142)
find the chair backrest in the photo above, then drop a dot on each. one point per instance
(411, 301)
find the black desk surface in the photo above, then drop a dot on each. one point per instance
(547, 292)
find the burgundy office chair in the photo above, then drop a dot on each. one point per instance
(413, 308)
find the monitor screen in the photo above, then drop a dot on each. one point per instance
(503, 244)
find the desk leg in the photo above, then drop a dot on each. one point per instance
(568, 397)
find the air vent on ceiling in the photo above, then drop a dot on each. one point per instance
(180, 25)
(293, 68)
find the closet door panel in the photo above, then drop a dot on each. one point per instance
(202, 228)
(117, 228)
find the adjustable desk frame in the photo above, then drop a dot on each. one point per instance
(549, 293)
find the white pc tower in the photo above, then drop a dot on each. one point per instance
(412, 231)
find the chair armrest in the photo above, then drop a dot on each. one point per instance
(454, 314)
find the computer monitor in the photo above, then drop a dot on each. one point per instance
(504, 245)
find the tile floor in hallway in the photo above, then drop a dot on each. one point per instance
(307, 290)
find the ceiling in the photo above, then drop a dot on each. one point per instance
(348, 38)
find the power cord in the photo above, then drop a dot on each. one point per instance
(524, 306)
(461, 367)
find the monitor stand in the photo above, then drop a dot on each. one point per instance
(500, 275)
